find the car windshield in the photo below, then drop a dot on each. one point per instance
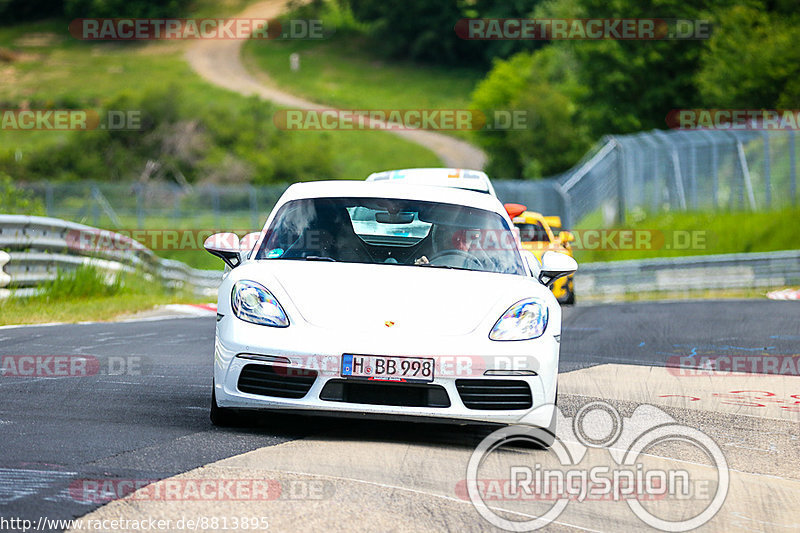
(392, 232)
(533, 233)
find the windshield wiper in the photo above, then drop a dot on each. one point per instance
(431, 265)
(309, 258)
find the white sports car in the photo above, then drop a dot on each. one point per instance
(378, 300)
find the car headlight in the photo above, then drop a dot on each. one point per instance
(526, 319)
(252, 302)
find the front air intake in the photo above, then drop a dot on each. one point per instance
(494, 394)
(277, 381)
(384, 393)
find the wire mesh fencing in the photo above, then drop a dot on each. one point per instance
(650, 172)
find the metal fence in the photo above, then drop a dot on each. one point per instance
(678, 171)
(158, 205)
(651, 172)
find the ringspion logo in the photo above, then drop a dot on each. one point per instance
(598, 455)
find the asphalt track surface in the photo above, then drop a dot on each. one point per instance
(144, 416)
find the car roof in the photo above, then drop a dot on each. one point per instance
(473, 180)
(530, 217)
(371, 189)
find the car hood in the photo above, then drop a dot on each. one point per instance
(359, 297)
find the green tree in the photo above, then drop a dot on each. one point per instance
(543, 85)
(753, 59)
(125, 8)
(635, 83)
(418, 30)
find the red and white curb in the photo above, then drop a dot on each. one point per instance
(785, 294)
(192, 309)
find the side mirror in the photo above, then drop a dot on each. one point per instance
(226, 246)
(556, 265)
(566, 236)
(248, 242)
(514, 210)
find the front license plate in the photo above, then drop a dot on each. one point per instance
(388, 368)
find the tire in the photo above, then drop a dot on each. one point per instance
(569, 297)
(550, 431)
(222, 416)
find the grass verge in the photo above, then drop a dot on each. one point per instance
(688, 234)
(51, 69)
(87, 294)
(705, 294)
(343, 71)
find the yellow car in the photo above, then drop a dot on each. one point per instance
(536, 234)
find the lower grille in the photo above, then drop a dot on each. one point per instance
(377, 393)
(278, 381)
(494, 394)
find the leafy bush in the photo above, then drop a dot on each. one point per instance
(419, 30)
(14, 201)
(543, 85)
(125, 8)
(182, 141)
(12, 11)
(16, 10)
(752, 59)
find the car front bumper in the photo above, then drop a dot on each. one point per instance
(457, 359)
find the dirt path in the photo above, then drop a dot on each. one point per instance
(220, 63)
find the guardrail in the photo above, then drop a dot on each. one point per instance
(679, 274)
(36, 248)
